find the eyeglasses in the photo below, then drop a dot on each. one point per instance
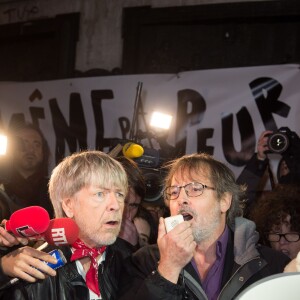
(289, 237)
(192, 189)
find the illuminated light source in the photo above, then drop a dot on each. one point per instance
(3, 144)
(160, 120)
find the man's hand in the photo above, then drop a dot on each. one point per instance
(27, 263)
(262, 145)
(176, 249)
(293, 265)
(9, 240)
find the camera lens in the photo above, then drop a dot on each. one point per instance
(278, 142)
(153, 181)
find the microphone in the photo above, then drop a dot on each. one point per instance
(60, 232)
(28, 221)
(61, 261)
(132, 150)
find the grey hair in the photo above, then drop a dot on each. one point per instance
(83, 169)
(219, 174)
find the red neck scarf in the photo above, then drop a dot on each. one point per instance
(81, 250)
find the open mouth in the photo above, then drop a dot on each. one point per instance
(112, 223)
(187, 216)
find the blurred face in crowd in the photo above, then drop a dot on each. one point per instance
(283, 169)
(156, 211)
(132, 203)
(288, 244)
(143, 228)
(28, 155)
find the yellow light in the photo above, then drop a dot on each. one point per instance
(160, 120)
(3, 144)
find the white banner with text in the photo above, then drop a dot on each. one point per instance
(221, 111)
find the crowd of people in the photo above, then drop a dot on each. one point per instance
(230, 238)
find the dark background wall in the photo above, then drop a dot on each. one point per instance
(154, 40)
(39, 50)
(211, 36)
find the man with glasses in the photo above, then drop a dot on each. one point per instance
(277, 216)
(213, 253)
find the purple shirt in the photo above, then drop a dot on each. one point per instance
(212, 282)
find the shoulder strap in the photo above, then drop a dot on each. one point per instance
(193, 285)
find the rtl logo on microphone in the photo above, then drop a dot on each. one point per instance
(59, 236)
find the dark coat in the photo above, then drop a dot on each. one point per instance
(68, 284)
(21, 192)
(245, 263)
(251, 176)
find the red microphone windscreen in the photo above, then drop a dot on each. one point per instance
(28, 221)
(61, 231)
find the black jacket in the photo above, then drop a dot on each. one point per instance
(251, 176)
(68, 284)
(21, 192)
(245, 263)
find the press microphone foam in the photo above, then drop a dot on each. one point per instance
(28, 221)
(132, 150)
(61, 231)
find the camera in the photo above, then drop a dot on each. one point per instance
(287, 143)
(150, 164)
(282, 141)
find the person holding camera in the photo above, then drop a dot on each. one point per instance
(284, 142)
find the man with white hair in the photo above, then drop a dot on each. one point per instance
(89, 187)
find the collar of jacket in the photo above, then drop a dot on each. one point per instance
(245, 240)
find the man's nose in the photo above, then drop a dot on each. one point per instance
(182, 197)
(282, 240)
(113, 203)
(28, 147)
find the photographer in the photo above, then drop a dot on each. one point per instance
(284, 142)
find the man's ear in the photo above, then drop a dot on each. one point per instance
(225, 202)
(67, 206)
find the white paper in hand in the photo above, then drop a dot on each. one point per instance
(171, 222)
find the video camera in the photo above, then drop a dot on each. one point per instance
(149, 161)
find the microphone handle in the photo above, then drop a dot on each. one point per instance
(10, 283)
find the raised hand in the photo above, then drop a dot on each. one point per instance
(262, 145)
(176, 249)
(9, 240)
